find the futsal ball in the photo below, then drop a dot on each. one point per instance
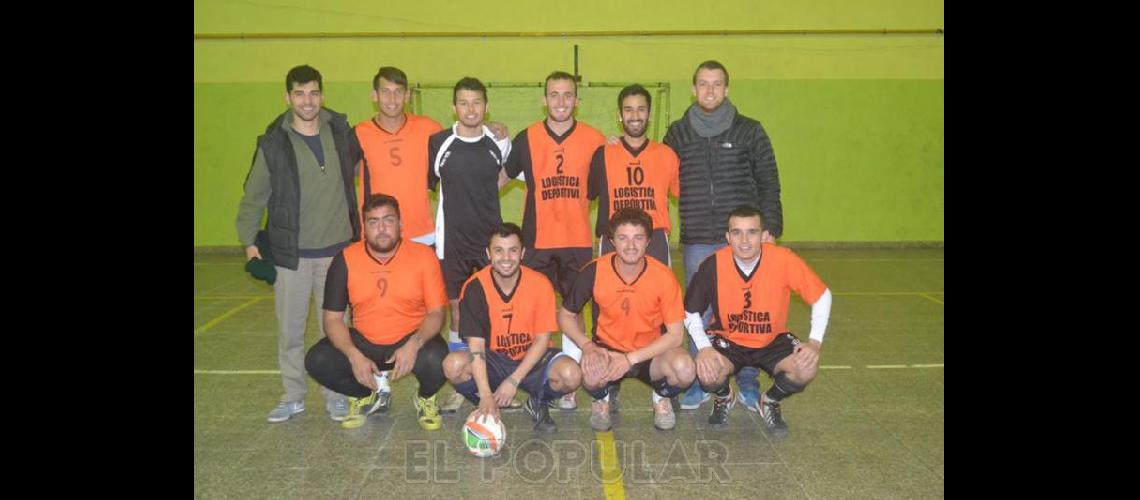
(484, 437)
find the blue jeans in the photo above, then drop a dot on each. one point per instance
(693, 255)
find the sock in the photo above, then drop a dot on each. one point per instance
(604, 392)
(571, 349)
(453, 342)
(724, 391)
(782, 387)
(663, 389)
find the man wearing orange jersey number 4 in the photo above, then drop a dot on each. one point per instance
(639, 330)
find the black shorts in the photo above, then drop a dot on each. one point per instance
(658, 246)
(456, 270)
(380, 353)
(560, 265)
(639, 371)
(766, 358)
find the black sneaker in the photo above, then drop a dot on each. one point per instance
(615, 391)
(773, 422)
(541, 414)
(718, 419)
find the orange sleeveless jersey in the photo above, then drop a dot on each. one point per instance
(752, 313)
(644, 181)
(397, 166)
(508, 324)
(630, 315)
(390, 300)
(557, 209)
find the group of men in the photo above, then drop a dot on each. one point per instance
(349, 222)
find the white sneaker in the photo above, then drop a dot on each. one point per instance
(663, 416)
(338, 409)
(514, 406)
(600, 415)
(568, 402)
(453, 403)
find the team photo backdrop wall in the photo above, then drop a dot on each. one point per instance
(850, 92)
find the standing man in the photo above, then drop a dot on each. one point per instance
(302, 172)
(554, 155)
(397, 296)
(637, 172)
(726, 161)
(395, 144)
(748, 286)
(638, 333)
(396, 163)
(508, 314)
(467, 164)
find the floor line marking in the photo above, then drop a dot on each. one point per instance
(612, 485)
(227, 314)
(932, 298)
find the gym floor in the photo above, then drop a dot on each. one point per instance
(871, 425)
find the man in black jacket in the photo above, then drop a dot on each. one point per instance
(726, 161)
(302, 172)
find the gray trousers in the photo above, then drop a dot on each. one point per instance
(293, 292)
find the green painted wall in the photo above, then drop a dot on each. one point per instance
(228, 16)
(856, 121)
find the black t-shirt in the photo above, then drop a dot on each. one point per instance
(314, 142)
(469, 184)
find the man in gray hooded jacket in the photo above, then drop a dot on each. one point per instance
(726, 161)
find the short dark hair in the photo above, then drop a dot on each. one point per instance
(468, 83)
(392, 74)
(633, 216)
(634, 89)
(711, 64)
(746, 211)
(504, 230)
(559, 75)
(301, 75)
(381, 200)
